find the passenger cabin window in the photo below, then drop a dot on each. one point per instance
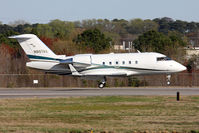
(116, 62)
(129, 62)
(163, 58)
(136, 62)
(103, 63)
(123, 62)
(110, 63)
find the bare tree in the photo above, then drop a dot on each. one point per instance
(18, 22)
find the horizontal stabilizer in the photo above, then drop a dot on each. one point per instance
(20, 36)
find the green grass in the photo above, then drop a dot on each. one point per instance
(110, 113)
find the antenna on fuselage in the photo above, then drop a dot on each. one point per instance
(138, 51)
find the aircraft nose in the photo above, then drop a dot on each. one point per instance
(182, 68)
(177, 67)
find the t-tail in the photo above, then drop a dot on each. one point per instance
(34, 48)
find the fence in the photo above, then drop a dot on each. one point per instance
(49, 80)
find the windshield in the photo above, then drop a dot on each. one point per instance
(163, 58)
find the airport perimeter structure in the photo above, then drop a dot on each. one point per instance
(50, 80)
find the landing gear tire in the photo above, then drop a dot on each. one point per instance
(168, 79)
(101, 85)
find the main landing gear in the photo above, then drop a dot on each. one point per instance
(102, 83)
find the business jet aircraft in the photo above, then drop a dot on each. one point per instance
(95, 66)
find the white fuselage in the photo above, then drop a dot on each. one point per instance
(94, 66)
(122, 64)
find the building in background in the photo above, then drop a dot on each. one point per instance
(126, 44)
(193, 48)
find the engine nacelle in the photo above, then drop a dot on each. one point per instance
(82, 60)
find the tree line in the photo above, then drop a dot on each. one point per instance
(115, 29)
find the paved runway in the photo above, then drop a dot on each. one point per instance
(71, 92)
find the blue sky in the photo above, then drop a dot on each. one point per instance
(42, 11)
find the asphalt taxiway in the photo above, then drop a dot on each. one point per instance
(73, 92)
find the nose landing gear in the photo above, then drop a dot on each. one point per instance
(168, 79)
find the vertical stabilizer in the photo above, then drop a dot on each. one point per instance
(33, 46)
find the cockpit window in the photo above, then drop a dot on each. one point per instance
(163, 58)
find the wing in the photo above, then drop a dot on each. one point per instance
(97, 72)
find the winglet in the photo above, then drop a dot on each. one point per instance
(74, 71)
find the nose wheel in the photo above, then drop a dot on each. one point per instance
(168, 79)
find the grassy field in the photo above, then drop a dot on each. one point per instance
(108, 114)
